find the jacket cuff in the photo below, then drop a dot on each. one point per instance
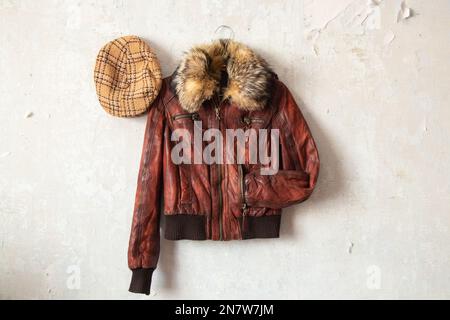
(141, 280)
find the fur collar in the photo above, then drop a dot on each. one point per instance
(198, 76)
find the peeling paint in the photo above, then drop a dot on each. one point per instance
(372, 17)
(354, 17)
(404, 12)
(318, 14)
(352, 14)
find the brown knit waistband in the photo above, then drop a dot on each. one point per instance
(193, 227)
(185, 226)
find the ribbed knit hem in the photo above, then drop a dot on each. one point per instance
(184, 226)
(262, 227)
(193, 227)
(141, 280)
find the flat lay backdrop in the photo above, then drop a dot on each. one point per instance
(372, 79)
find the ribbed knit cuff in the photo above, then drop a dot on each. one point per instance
(141, 280)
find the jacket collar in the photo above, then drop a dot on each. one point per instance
(223, 67)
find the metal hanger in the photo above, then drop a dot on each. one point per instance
(221, 32)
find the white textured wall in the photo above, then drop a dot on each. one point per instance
(374, 87)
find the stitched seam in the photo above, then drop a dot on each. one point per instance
(140, 214)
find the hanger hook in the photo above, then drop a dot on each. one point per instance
(220, 29)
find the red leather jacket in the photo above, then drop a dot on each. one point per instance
(225, 85)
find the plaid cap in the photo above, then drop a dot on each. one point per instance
(127, 76)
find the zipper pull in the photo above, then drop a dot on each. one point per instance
(217, 113)
(244, 220)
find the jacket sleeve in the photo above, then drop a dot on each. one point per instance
(143, 250)
(299, 162)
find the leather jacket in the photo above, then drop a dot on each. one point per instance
(221, 85)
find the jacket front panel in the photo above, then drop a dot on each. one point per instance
(213, 191)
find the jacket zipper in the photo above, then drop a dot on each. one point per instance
(244, 204)
(241, 182)
(211, 214)
(220, 203)
(193, 116)
(219, 168)
(218, 113)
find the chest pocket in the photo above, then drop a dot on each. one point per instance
(252, 121)
(185, 121)
(193, 116)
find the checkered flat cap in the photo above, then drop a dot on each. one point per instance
(127, 76)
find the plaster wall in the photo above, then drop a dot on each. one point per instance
(372, 79)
